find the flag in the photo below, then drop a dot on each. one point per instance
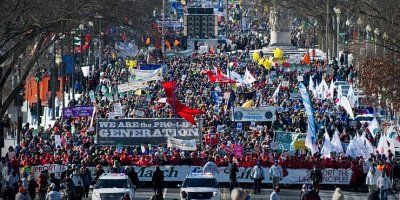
(350, 96)
(235, 76)
(336, 144)
(326, 148)
(248, 78)
(248, 104)
(370, 148)
(306, 59)
(219, 77)
(373, 127)
(331, 90)
(383, 146)
(183, 111)
(311, 87)
(344, 102)
(324, 89)
(311, 133)
(276, 93)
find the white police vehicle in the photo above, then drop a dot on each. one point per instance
(113, 186)
(200, 186)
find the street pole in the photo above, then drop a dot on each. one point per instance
(226, 19)
(38, 102)
(19, 105)
(53, 83)
(337, 35)
(62, 74)
(73, 70)
(162, 28)
(326, 32)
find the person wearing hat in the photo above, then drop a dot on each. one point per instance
(276, 174)
(53, 194)
(275, 194)
(257, 174)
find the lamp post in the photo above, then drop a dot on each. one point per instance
(338, 12)
(348, 24)
(385, 37)
(38, 77)
(313, 43)
(376, 33)
(368, 30)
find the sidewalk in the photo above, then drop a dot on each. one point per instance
(46, 120)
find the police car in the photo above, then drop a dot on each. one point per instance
(200, 186)
(113, 186)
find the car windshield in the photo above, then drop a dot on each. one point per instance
(196, 182)
(111, 183)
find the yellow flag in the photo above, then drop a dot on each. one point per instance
(248, 104)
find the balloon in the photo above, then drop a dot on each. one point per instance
(267, 64)
(261, 61)
(256, 56)
(278, 53)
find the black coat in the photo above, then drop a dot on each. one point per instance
(232, 172)
(158, 178)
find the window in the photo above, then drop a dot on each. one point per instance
(112, 183)
(194, 182)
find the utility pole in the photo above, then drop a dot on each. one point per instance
(162, 28)
(226, 19)
(62, 73)
(53, 82)
(326, 32)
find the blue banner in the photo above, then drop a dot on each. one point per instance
(309, 111)
(149, 67)
(68, 63)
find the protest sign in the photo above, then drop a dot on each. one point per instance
(78, 111)
(186, 145)
(254, 114)
(151, 130)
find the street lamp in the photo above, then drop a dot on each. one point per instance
(338, 12)
(376, 32)
(368, 30)
(313, 52)
(348, 24)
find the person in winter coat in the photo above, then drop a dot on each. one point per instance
(233, 169)
(158, 180)
(69, 188)
(371, 179)
(42, 185)
(132, 174)
(99, 172)
(86, 180)
(22, 194)
(76, 179)
(316, 177)
(338, 194)
(257, 174)
(210, 167)
(53, 194)
(32, 186)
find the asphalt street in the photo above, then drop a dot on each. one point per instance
(286, 194)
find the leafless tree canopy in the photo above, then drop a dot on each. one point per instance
(29, 27)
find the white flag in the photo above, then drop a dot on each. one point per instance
(276, 93)
(331, 90)
(235, 76)
(350, 96)
(326, 148)
(336, 144)
(383, 147)
(248, 78)
(373, 126)
(370, 148)
(324, 89)
(311, 87)
(344, 102)
(309, 143)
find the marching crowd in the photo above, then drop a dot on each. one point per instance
(78, 150)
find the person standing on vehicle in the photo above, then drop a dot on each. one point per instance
(384, 185)
(158, 180)
(276, 174)
(233, 169)
(257, 174)
(316, 177)
(371, 180)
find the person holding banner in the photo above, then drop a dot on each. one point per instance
(257, 174)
